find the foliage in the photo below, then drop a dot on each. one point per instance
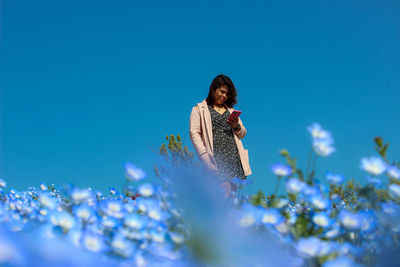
(310, 225)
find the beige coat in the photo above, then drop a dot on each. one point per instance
(201, 136)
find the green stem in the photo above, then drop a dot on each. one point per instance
(313, 168)
(309, 161)
(277, 186)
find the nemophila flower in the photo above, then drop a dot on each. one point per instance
(294, 185)
(310, 190)
(393, 172)
(239, 182)
(113, 208)
(335, 179)
(157, 236)
(319, 201)
(317, 132)
(333, 232)
(121, 246)
(177, 238)
(368, 221)
(155, 212)
(63, 219)
(282, 202)
(327, 247)
(110, 223)
(281, 170)
(93, 242)
(394, 191)
(350, 220)
(79, 195)
(249, 215)
(390, 208)
(43, 187)
(146, 190)
(347, 248)
(134, 173)
(309, 247)
(47, 201)
(323, 147)
(373, 165)
(322, 219)
(135, 221)
(84, 212)
(374, 181)
(3, 183)
(113, 191)
(283, 228)
(271, 216)
(340, 262)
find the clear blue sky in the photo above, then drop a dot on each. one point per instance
(87, 85)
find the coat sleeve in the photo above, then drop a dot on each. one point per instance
(242, 131)
(195, 132)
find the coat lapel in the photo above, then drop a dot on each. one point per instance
(208, 123)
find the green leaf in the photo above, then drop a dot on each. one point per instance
(284, 152)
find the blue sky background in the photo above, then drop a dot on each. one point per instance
(88, 85)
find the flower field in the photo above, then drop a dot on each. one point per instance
(185, 219)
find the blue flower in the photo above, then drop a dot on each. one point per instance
(79, 195)
(317, 132)
(84, 212)
(368, 221)
(294, 185)
(390, 208)
(393, 172)
(146, 190)
(322, 219)
(134, 173)
(319, 202)
(334, 178)
(373, 165)
(135, 221)
(323, 147)
(333, 232)
(271, 216)
(308, 247)
(3, 183)
(394, 191)
(177, 238)
(121, 246)
(239, 182)
(93, 242)
(63, 219)
(340, 262)
(112, 207)
(47, 201)
(352, 221)
(374, 181)
(281, 170)
(249, 215)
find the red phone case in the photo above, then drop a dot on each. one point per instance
(235, 113)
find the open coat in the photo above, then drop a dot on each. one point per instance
(202, 138)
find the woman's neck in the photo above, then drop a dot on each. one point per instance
(219, 106)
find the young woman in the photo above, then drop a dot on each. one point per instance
(216, 139)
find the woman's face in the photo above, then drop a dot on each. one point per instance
(221, 95)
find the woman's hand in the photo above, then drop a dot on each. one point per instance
(226, 186)
(234, 122)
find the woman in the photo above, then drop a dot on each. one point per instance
(216, 139)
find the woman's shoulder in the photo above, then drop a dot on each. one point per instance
(201, 104)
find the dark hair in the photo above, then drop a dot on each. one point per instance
(219, 81)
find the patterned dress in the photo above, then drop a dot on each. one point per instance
(226, 153)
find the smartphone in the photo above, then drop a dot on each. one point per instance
(235, 114)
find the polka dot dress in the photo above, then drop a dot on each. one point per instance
(226, 153)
